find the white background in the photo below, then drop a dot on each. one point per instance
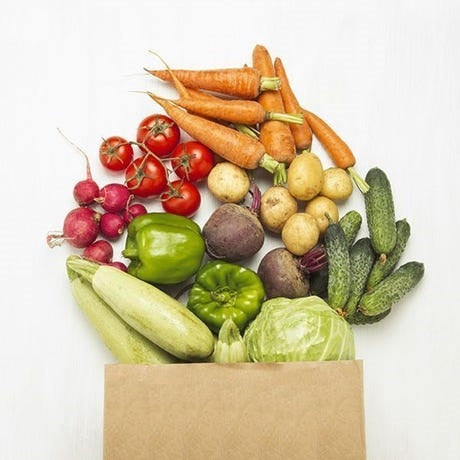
(385, 75)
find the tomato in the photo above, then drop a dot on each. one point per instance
(116, 153)
(182, 198)
(192, 161)
(158, 134)
(146, 176)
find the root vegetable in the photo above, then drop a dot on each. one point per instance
(120, 265)
(320, 208)
(114, 197)
(132, 211)
(300, 233)
(99, 251)
(277, 205)
(337, 184)
(228, 182)
(80, 229)
(112, 225)
(305, 176)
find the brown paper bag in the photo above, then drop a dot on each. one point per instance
(305, 410)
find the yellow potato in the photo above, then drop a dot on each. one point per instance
(305, 176)
(300, 233)
(228, 182)
(318, 207)
(276, 206)
(337, 184)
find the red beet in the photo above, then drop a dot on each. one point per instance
(114, 197)
(81, 227)
(99, 251)
(112, 225)
(119, 265)
(133, 211)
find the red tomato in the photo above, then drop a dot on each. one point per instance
(158, 134)
(192, 161)
(182, 198)
(146, 176)
(116, 153)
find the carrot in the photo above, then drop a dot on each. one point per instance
(302, 133)
(228, 143)
(275, 135)
(246, 82)
(336, 148)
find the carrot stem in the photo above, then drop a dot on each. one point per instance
(296, 118)
(245, 129)
(274, 167)
(269, 84)
(358, 180)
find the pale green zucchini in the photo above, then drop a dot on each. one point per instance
(154, 314)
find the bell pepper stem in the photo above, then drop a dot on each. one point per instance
(130, 253)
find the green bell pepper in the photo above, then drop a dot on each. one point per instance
(223, 290)
(164, 248)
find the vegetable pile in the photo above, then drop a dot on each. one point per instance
(306, 294)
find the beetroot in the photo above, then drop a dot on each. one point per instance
(114, 197)
(99, 251)
(81, 227)
(112, 225)
(133, 211)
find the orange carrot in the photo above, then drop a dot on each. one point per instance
(275, 135)
(336, 148)
(246, 82)
(302, 133)
(228, 143)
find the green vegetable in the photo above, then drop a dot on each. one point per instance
(380, 212)
(125, 343)
(223, 290)
(382, 270)
(303, 329)
(163, 248)
(151, 312)
(361, 260)
(338, 288)
(351, 223)
(391, 289)
(359, 319)
(230, 347)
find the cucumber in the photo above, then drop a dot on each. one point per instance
(380, 212)
(154, 314)
(359, 319)
(382, 270)
(125, 343)
(362, 259)
(351, 223)
(391, 289)
(338, 286)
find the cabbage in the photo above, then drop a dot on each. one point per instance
(302, 329)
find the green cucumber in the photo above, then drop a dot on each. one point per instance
(391, 289)
(362, 259)
(338, 286)
(382, 270)
(380, 212)
(351, 223)
(359, 319)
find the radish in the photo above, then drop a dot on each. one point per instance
(120, 265)
(114, 197)
(99, 251)
(112, 225)
(133, 211)
(81, 227)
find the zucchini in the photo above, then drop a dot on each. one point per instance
(154, 314)
(362, 258)
(351, 223)
(391, 289)
(380, 212)
(382, 270)
(125, 343)
(359, 319)
(338, 286)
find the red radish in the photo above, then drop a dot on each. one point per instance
(85, 191)
(112, 225)
(99, 251)
(81, 227)
(114, 197)
(133, 211)
(119, 265)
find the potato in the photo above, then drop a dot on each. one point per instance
(228, 182)
(300, 233)
(318, 207)
(305, 176)
(337, 184)
(276, 206)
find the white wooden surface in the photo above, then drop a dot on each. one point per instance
(384, 74)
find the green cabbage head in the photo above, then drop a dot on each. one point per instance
(303, 329)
